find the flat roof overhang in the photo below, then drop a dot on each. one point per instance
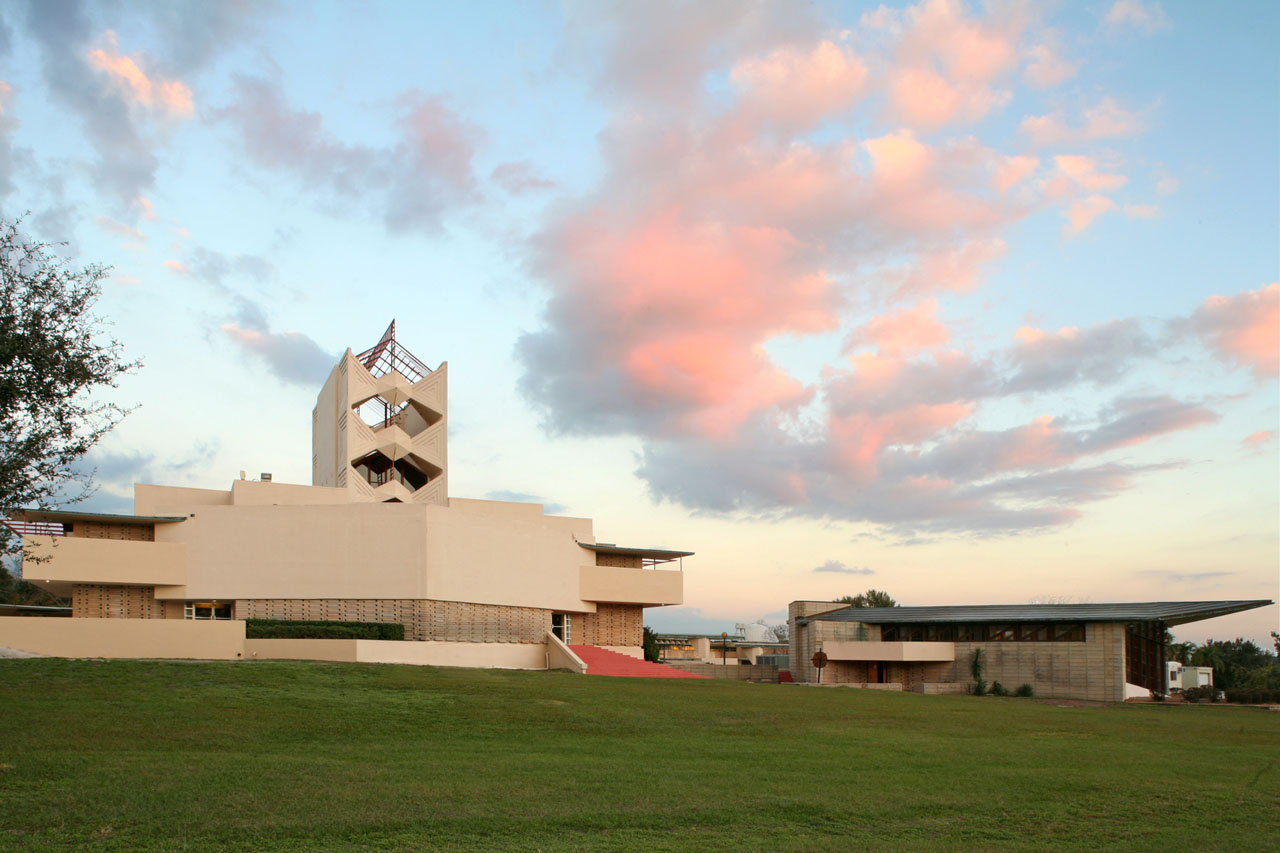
(657, 555)
(63, 516)
(1169, 612)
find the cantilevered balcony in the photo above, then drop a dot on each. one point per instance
(905, 652)
(56, 562)
(624, 575)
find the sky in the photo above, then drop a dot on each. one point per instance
(971, 303)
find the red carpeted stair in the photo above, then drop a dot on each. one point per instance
(604, 662)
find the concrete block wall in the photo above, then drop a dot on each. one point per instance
(424, 620)
(741, 672)
(806, 640)
(610, 625)
(104, 601)
(1093, 669)
(126, 532)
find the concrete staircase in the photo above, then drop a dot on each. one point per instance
(604, 662)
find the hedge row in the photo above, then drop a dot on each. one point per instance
(299, 629)
(1253, 696)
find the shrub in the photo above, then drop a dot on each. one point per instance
(1025, 691)
(300, 629)
(998, 689)
(1198, 694)
(979, 688)
(1253, 696)
(1157, 697)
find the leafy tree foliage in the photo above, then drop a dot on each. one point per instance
(1238, 663)
(650, 645)
(870, 598)
(53, 358)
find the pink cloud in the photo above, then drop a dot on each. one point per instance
(518, 178)
(1135, 13)
(969, 49)
(956, 268)
(903, 333)
(1046, 67)
(145, 207)
(1082, 213)
(1244, 329)
(1107, 119)
(1142, 211)
(683, 308)
(1257, 442)
(119, 228)
(178, 267)
(924, 98)
(798, 88)
(1083, 171)
(720, 224)
(169, 96)
(1013, 171)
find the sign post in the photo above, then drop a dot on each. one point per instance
(819, 660)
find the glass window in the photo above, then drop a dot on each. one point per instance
(562, 627)
(1002, 633)
(207, 610)
(1072, 632)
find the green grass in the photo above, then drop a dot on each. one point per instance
(307, 756)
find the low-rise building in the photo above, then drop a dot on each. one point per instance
(1079, 651)
(375, 538)
(1184, 677)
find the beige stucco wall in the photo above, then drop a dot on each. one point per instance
(149, 499)
(560, 656)
(341, 651)
(644, 586)
(326, 455)
(335, 551)
(490, 552)
(505, 553)
(70, 559)
(479, 655)
(897, 651)
(124, 638)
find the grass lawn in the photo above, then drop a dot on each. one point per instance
(310, 756)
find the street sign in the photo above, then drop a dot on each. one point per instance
(819, 659)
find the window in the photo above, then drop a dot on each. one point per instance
(1034, 632)
(562, 627)
(208, 610)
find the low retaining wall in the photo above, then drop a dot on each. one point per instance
(560, 656)
(124, 638)
(477, 655)
(742, 672)
(949, 687)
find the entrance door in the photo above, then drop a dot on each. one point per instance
(562, 627)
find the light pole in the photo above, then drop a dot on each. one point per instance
(724, 645)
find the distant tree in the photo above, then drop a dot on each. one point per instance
(870, 598)
(1058, 599)
(650, 642)
(54, 359)
(1275, 640)
(14, 590)
(1181, 652)
(781, 632)
(1235, 662)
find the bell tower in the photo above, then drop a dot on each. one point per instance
(379, 428)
